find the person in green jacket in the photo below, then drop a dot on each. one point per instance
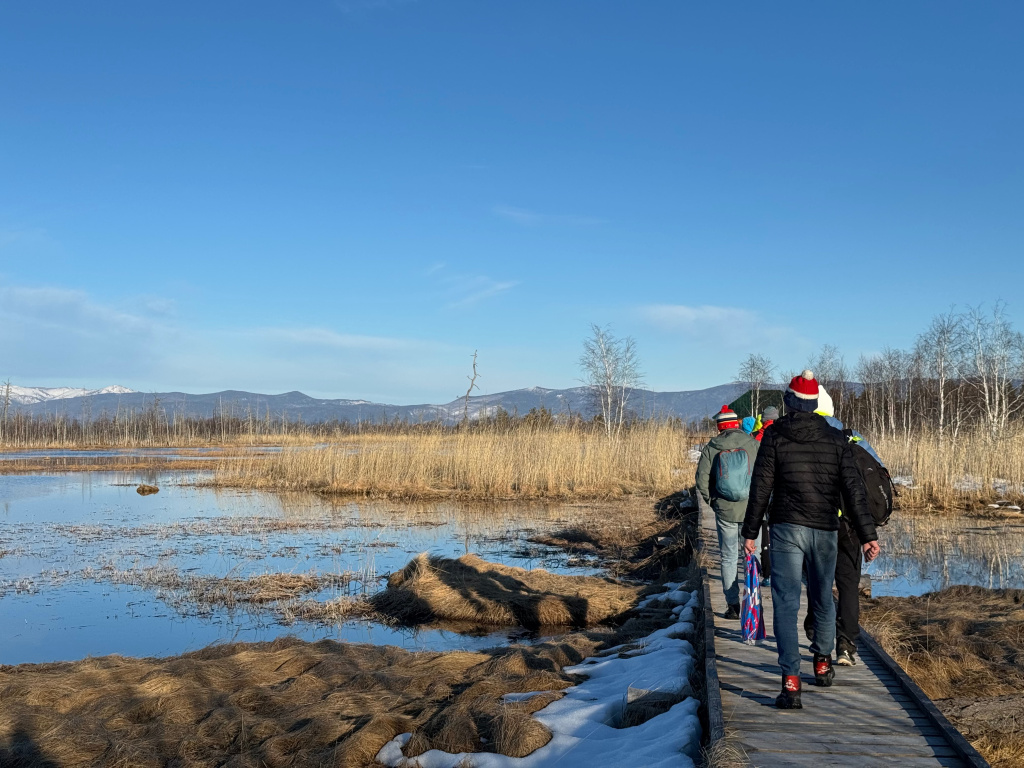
(720, 492)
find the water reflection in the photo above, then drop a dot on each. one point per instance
(925, 554)
(58, 533)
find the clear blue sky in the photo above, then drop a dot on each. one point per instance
(349, 197)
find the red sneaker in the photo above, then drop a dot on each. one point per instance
(790, 696)
(823, 672)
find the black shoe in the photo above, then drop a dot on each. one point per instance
(733, 612)
(809, 626)
(790, 696)
(823, 672)
(846, 658)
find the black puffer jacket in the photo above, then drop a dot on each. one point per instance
(804, 473)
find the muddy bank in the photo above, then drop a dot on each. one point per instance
(964, 646)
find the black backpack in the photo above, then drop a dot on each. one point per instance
(881, 490)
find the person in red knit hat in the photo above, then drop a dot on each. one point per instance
(723, 480)
(804, 471)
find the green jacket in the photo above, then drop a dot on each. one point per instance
(730, 511)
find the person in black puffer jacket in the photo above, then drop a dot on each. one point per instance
(804, 470)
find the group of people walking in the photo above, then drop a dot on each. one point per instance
(796, 486)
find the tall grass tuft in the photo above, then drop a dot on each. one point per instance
(648, 458)
(948, 473)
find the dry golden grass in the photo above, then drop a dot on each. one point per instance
(473, 590)
(963, 646)
(287, 703)
(951, 473)
(650, 459)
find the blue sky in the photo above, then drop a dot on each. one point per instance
(348, 198)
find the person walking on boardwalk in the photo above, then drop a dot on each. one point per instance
(723, 480)
(803, 470)
(849, 558)
(768, 417)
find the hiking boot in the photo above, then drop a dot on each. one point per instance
(766, 581)
(733, 611)
(790, 696)
(846, 658)
(823, 672)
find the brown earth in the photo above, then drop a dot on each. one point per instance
(964, 646)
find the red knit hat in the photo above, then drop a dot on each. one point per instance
(727, 419)
(804, 386)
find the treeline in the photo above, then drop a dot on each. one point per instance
(156, 426)
(964, 373)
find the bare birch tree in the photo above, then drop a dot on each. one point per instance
(941, 350)
(756, 371)
(611, 371)
(995, 353)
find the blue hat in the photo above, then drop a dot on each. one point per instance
(747, 425)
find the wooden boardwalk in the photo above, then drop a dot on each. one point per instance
(866, 718)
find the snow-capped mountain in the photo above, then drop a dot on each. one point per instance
(689, 406)
(32, 395)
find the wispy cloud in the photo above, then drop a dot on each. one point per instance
(528, 218)
(733, 327)
(472, 290)
(53, 335)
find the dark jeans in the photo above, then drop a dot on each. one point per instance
(848, 565)
(796, 549)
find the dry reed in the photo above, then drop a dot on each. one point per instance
(650, 458)
(950, 473)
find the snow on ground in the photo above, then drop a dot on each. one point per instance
(1000, 486)
(906, 481)
(582, 722)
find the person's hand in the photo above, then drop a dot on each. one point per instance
(871, 550)
(750, 546)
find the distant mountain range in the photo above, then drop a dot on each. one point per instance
(31, 395)
(75, 403)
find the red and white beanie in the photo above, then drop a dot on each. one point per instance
(804, 386)
(727, 419)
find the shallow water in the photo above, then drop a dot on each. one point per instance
(926, 554)
(58, 532)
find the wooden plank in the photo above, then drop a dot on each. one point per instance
(767, 759)
(847, 738)
(969, 754)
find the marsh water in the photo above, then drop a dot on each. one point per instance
(927, 553)
(63, 534)
(60, 534)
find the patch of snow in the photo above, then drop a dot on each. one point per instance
(694, 453)
(582, 722)
(906, 481)
(1000, 486)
